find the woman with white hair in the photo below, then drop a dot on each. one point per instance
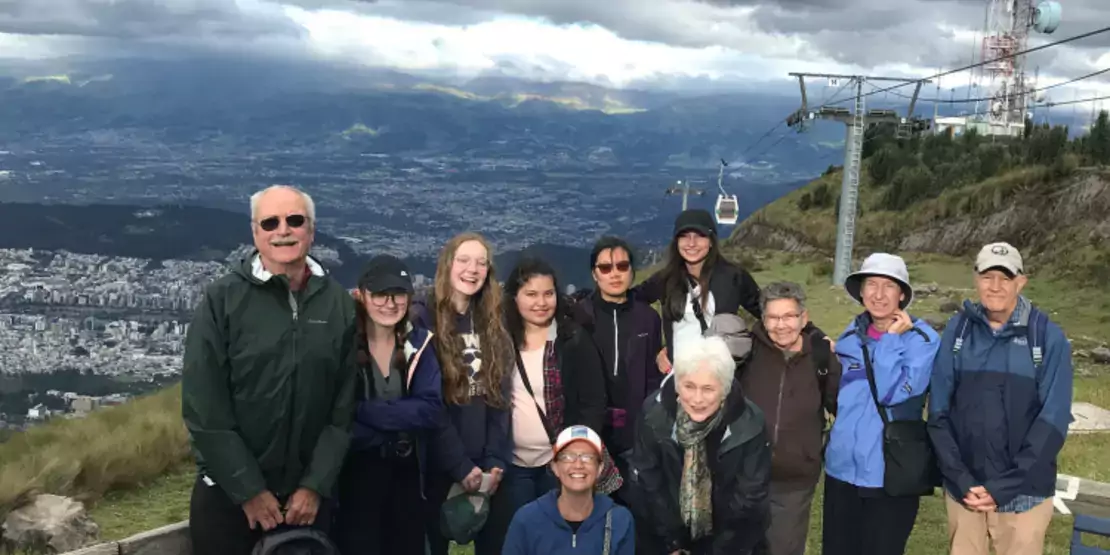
(702, 462)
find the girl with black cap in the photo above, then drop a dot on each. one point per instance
(382, 484)
(696, 283)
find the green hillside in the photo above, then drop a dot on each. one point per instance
(941, 194)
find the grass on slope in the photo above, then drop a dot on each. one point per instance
(138, 452)
(878, 228)
(113, 448)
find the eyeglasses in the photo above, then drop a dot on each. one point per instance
(466, 260)
(380, 299)
(606, 267)
(785, 318)
(568, 458)
(292, 220)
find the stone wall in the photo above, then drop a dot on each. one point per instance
(168, 540)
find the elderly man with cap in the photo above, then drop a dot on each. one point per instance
(887, 357)
(999, 410)
(573, 519)
(268, 384)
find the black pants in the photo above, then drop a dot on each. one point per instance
(217, 526)
(380, 506)
(865, 521)
(486, 543)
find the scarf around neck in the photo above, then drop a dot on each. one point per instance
(695, 496)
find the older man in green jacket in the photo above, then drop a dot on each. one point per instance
(268, 384)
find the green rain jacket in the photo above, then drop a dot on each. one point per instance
(268, 386)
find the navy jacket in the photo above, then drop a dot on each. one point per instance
(636, 359)
(538, 528)
(996, 420)
(474, 434)
(418, 410)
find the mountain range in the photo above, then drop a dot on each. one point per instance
(228, 105)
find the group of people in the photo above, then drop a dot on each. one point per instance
(597, 424)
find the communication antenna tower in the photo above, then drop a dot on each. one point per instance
(1007, 33)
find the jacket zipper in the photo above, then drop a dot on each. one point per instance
(574, 540)
(616, 343)
(778, 407)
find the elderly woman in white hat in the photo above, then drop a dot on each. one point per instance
(872, 491)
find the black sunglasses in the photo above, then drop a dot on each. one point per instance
(606, 267)
(292, 220)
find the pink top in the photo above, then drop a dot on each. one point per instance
(874, 333)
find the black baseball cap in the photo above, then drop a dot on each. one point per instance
(695, 219)
(385, 273)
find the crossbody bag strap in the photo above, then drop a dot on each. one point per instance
(608, 532)
(528, 386)
(871, 382)
(695, 303)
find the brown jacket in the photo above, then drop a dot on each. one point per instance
(789, 393)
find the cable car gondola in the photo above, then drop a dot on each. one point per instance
(727, 210)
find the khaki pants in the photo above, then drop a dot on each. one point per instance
(971, 532)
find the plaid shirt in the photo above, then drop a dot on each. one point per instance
(552, 388)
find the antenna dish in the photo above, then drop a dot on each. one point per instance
(1047, 16)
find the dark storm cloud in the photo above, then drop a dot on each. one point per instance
(859, 32)
(142, 18)
(864, 33)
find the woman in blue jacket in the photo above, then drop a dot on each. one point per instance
(860, 518)
(381, 486)
(574, 518)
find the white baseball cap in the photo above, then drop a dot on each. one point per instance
(999, 255)
(578, 433)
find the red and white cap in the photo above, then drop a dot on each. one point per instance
(578, 433)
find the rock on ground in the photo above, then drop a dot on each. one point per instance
(50, 523)
(1101, 355)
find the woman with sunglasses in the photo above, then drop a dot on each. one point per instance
(627, 334)
(381, 485)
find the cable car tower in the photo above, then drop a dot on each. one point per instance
(856, 121)
(1007, 33)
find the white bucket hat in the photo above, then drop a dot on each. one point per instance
(885, 265)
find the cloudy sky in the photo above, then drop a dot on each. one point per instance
(618, 43)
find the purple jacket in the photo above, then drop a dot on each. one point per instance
(637, 356)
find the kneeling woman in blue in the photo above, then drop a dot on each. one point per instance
(861, 516)
(401, 403)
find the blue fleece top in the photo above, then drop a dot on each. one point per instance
(538, 528)
(995, 418)
(902, 364)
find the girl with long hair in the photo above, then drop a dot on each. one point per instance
(464, 311)
(400, 407)
(558, 382)
(696, 283)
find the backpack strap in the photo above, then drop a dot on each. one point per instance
(822, 359)
(608, 532)
(961, 330)
(1036, 332)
